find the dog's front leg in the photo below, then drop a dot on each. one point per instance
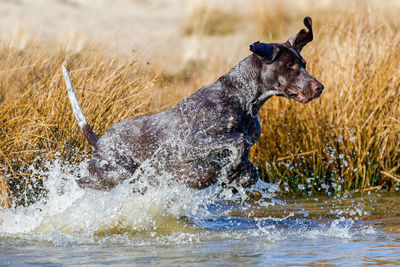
(246, 176)
(237, 144)
(254, 130)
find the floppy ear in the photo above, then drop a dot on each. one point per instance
(267, 52)
(303, 37)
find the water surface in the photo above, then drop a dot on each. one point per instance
(174, 225)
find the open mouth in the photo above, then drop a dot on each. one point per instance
(296, 95)
(318, 94)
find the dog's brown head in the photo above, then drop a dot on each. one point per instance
(284, 68)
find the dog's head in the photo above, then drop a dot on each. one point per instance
(283, 68)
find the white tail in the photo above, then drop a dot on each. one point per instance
(80, 117)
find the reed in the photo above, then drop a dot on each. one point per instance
(346, 140)
(36, 121)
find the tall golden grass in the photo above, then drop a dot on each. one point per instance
(349, 137)
(346, 140)
(35, 115)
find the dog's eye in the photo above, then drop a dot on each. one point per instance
(291, 66)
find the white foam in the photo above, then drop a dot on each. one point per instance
(170, 212)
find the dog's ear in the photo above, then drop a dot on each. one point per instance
(267, 52)
(303, 37)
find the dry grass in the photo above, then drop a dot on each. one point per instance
(35, 116)
(348, 139)
(351, 134)
(272, 17)
(210, 18)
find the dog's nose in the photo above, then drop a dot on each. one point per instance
(317, 87)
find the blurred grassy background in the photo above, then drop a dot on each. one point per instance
(346, 140)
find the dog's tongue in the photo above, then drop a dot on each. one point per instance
(301, 97)
(298, 95)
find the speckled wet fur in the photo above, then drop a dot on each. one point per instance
(208, 135)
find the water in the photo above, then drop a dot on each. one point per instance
(174, 225)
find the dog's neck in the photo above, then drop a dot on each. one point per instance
(246, 78)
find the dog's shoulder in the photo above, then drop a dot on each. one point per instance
(216, 96)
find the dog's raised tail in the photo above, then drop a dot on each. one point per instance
(83, 124)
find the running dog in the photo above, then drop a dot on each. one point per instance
(208, 135)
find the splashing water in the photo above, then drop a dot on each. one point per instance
(168, 212)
